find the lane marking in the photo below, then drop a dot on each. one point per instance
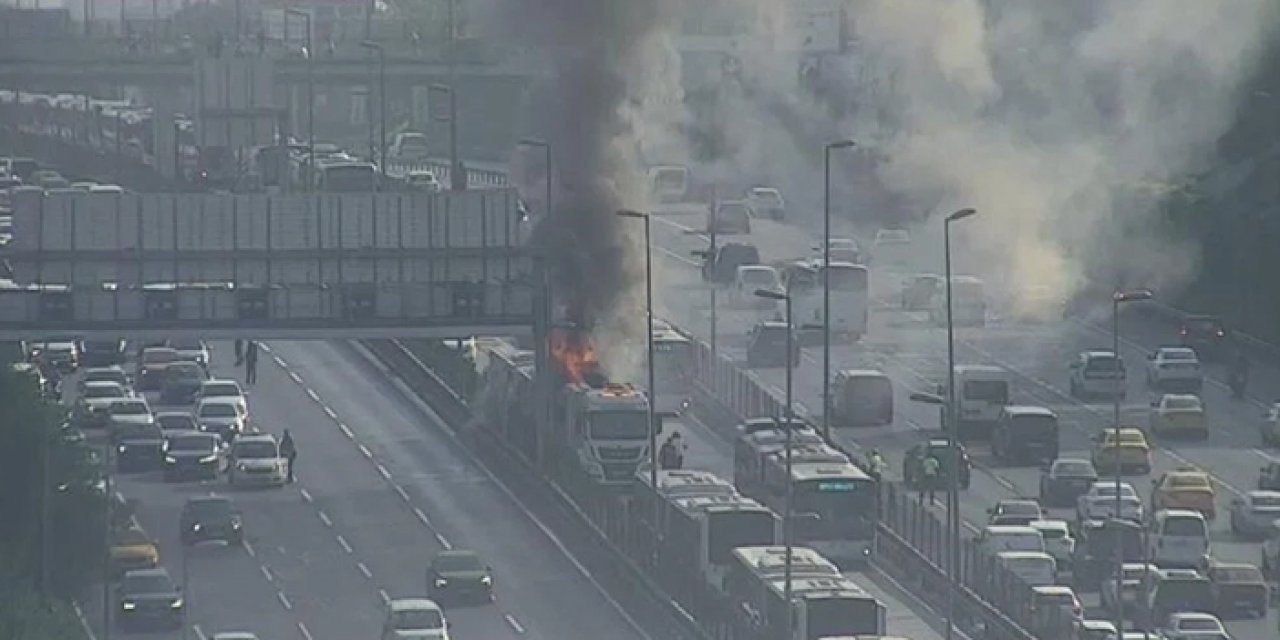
(195, 628)
(515, 624)
(364, 570)
(248, 548)
(306, 633)
(324, 517)
(280, 362)
(306, 495)
(264, 346)
(296, 378)
(382, 471)
(342, 542)
(386, 597)
(311, 393)
(404, 495)
(443, 542)
(422, 516)
(365, 450)
(284, 602)
(346, 431)
(84, 622)
(266, 573)
(328, 411)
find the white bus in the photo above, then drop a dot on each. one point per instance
(673, 372)
(849, 297)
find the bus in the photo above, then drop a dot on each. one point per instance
(849, 297)
(968, 303)
(861, 398)
(672, 371)
(835, 505)
(757, 439)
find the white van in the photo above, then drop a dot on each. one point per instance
(999, 538)
(1035, 568)
(1178, 538)
(983, 393)
(968, 303)
(751, 277)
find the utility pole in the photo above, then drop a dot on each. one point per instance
(457, 175)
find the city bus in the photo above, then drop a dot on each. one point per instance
(672, 371)
(835, 506)
(849, 297)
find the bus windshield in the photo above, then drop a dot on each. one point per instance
(619, 425)
(847, 278)
(837, 502)
(842, 616)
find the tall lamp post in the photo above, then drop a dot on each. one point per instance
(107, 527)
(311, 93)
(382, 103)
(457, 179)
(1118, 298)
(457, 176)
(546, 160)
(648, 303)
(788, 539)
(953, 426)
(826, 281)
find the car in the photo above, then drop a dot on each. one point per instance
(414, 618)
(767, 201)
(459, 574)
(223, 389)
(1175, 369)
(139, 446)
(940, 448)
(149, 598)
(1189, 625)
(1132, 578)
(125, 412)
(1099, 502)
(193, 454)
(1185, 488)
(751, 278)
(62, 354)
(1253, 514)
(721, 265)
(191, 351)
(151, 365)
(94, 402)
(1179, 414)
(1096, 544)
(841, 250)
(1014, 513)
(255, 459)
(729, 217)
(1169, 591)
(1052, 605)
(1094, 630)
(173, 421)
(1025, 434)
(1208, 335)
(212, 517)
(104, 353)
(918, 291)
(1065, 480)
(223, 416)
(1239, 588)
(1269, 428)
(132, 549)
(1097, 372)
(111, 373)
(767, 346)
(423, 180)
(1126, 448)
(181, 381)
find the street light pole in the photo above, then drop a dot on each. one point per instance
(1116, 299)
(311, 96)
(457, 176)
(826, 282)
(382, 102)
(953, 427)
(648, 301)
(788, 510)
(106, 542)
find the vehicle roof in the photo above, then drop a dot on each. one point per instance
(771, 190)
(255, 437)
(1098, 353)
(1179, 513)
(1263, 493)
(862, 373)
(1024, 555)
(102, 384)
(1054, 590)
(207, 499)
(1029, 410)
(1009, 529)
(171, 413)
(1072, 461)
(234, 635)
(222, 381)
(1098, 625)
(414, 604)
(1176, 349)
(457, 553)
(160, 572)
(1050, 524)
(1017, 502)
(965, 369)
(772, 324)
(1193, 615)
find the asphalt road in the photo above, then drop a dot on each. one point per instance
(381, 488)
(913, 353)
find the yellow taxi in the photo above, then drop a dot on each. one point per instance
(1180, 414)
(132, 549)
(1184, 489)
(1129, 449)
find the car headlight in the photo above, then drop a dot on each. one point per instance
(441, 583)
(177, 604)
(170, 460)
(122, 448)
(486, 580)
(195, 527)
(128, 606)
(235, 523)
(242, 466)
(209, 458)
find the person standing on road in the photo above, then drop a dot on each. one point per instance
(289, 450)
(930, 467)
(251, 362)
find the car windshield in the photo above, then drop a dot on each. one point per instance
(767, 197)
(1103, 362)
(1192, 527)
(159, 356)
(173, 422)
(1075, 468)
(414, 619)
(209, 508)
(1019, 508)
(1108, 489)
(127, 408)
(1189, 482)
(146, 583)
(259, 449)
(192, 443)
(1198, 624)
(733, 211)
(217, 410)
(184, 371)
(1266, 500)
(1127, 438)
(1189, 403)
(103, 391)
(220, 389)
(451, 563)
(187, 345)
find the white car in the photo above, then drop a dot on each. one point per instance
(1097, 373)
(1190, 626)
(414, 619)
(842, 250)
(767, 202)
(256, 459)
(1255, 513)
(891, 246)
(423, 180)
(104, 374)
(1095, 630)
(752, 277)
(1178, 413)
(1175, 369)
(192, 350)
(1057, 540)
(95, 400)
(223, 389)
(124, 414)
(1099, 502)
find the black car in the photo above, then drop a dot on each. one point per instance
(148, 598)
(460, 575)
(139, 447)
(193, 454)
(1207, 335)
(939, 448)
(1025, 435)
(210, 518)
(181, 381)
(1064, 480)
(767, 346)
(103, 353)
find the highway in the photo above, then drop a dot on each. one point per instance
(381, 488)
(913, 353)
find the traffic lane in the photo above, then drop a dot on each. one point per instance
(536, 581)
(385, 546)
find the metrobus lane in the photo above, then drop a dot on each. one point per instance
(445, 500)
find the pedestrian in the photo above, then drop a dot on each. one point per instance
(239, 351)
(669, 456)
(251, 362)
(289, 450)
(930, 467)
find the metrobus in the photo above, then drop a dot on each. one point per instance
(672, 371)
(849, 296)
(835, 506)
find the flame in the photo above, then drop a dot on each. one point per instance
(576, 355)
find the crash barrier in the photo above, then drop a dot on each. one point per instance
(599, 525)
(480, 175)
(911, 537)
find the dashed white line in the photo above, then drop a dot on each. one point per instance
(515, 624)
(311, 393)
(280, 361)
(328, 411)
(266, 573)
(364, 570)
(306, 495)
(404, 495)
(306, 633)
(248, 548)
(324, 517)
(382, 471)
(365, 450)
(195, 628)
(84, 622)
(346, 431)
(284, 602)
(342, 542)
(422, 516)
(444, 542)
(386, 597)
(295, 377)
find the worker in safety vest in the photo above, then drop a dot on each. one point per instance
(876, 465)
(932, 472)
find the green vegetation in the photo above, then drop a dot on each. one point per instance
(33, 596)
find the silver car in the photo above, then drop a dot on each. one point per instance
(1253, 514)
(256, 459)
(224, 417)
